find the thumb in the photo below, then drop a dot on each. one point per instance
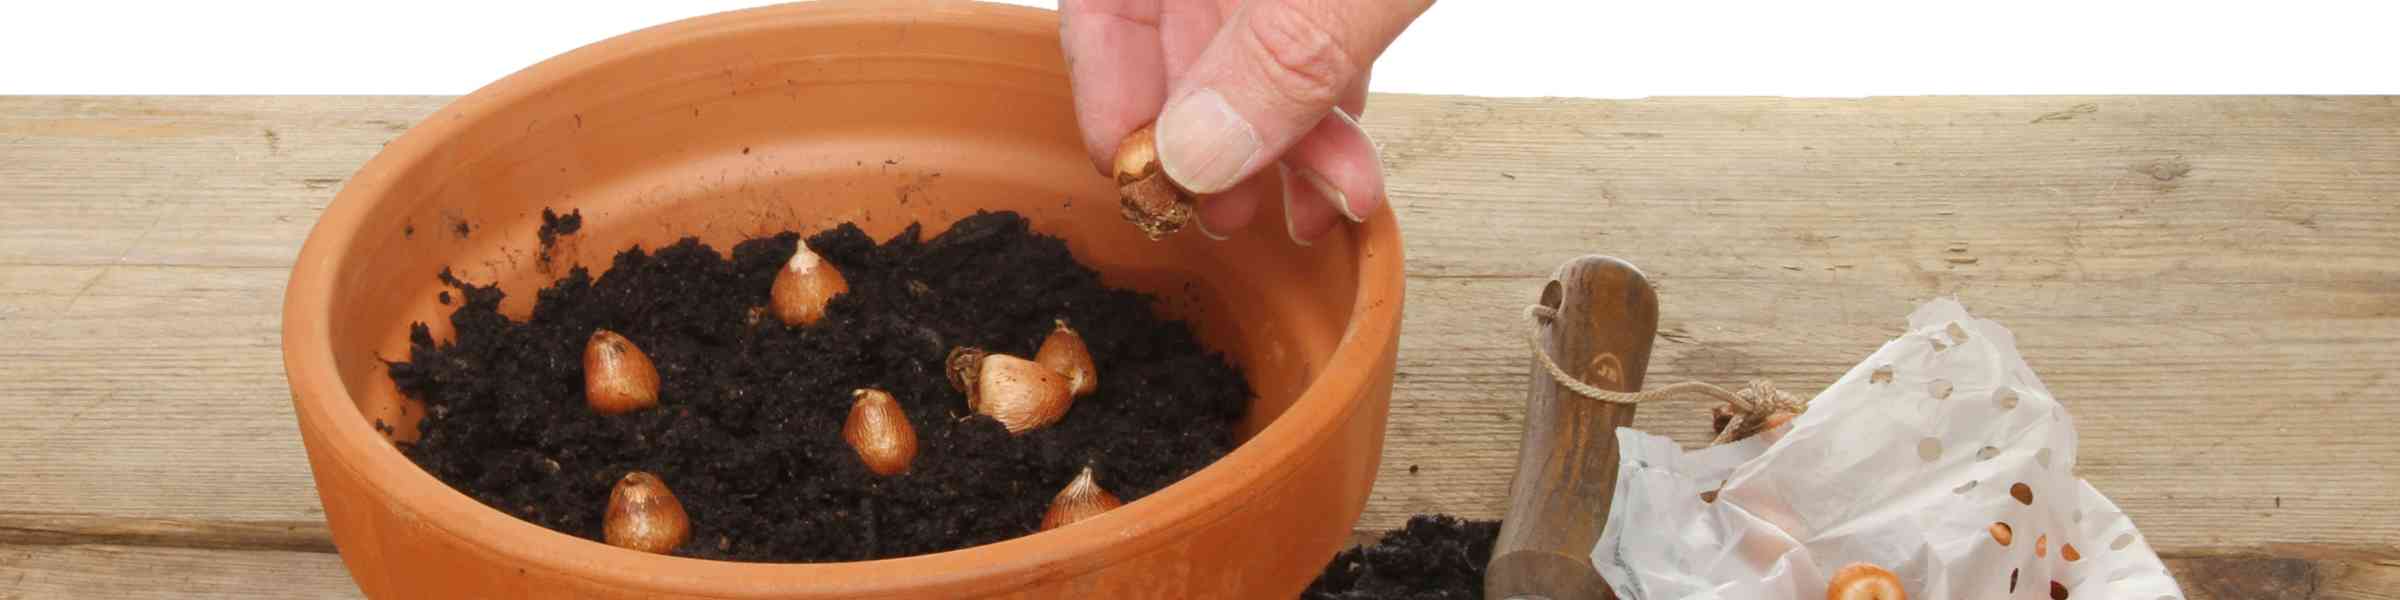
(1274, 70)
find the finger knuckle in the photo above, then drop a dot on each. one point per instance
(1302, 57)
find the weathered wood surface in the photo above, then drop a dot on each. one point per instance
(2212, 284)
(164, 573)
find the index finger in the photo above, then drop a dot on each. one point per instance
(1117, 68)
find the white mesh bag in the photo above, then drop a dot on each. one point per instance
(1922, 460)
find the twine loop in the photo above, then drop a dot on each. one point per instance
(1739, 414)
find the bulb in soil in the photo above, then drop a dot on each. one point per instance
(1861, 581)
(804, 286)
(1065, 353)
(1021, 394)
(1147, 197)
(643, 515)
(1082, 499)
(617, 377)
(880, 432)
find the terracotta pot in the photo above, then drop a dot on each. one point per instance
(805, 116)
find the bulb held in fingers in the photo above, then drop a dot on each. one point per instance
(1147, 197)
(1065, 353)
(643, 515)
(1021, 394)
(1861, 581)
(1082, 499)
(617, 377)
(805, 285)
(880, 432)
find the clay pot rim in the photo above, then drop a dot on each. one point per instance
(326, 408)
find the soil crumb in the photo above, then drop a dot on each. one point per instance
(1433, 557)
(554, 225)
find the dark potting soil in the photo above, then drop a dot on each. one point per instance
(1436, 557)
(747, 431)
(554, 225)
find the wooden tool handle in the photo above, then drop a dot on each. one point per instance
(1566, 476)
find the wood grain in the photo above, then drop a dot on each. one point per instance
(72, 529)
(132, 572)
(144, 244)
(2208, 283)
(2211, 284)
(2296, 578)
(136, 572)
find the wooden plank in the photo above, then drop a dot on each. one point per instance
(180, 181)
(72, 529)
(144, 243)
(2206, 281)
(137, 572)
(152, 391)
(2178, 426)
(2360, 578)
(2212, 284)
(1459, 422)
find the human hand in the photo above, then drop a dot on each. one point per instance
(1255, 101)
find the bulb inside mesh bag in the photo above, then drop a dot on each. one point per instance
(1940, 458)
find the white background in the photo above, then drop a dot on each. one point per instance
(1593, 48)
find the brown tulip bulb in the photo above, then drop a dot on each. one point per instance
(1021, 394)
(880, 432)
(1082, 499)
(617, 377)
(1861, 581)
(643, 515)
(805, 285)
(1065, 353)
(1147, 197)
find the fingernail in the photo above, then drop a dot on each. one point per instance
(1353, 121)
(1201, 223)
(1203, 144)
(1289, 229)
(1344, 203)
(1341, 202)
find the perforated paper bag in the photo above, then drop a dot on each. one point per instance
(1941, 458)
